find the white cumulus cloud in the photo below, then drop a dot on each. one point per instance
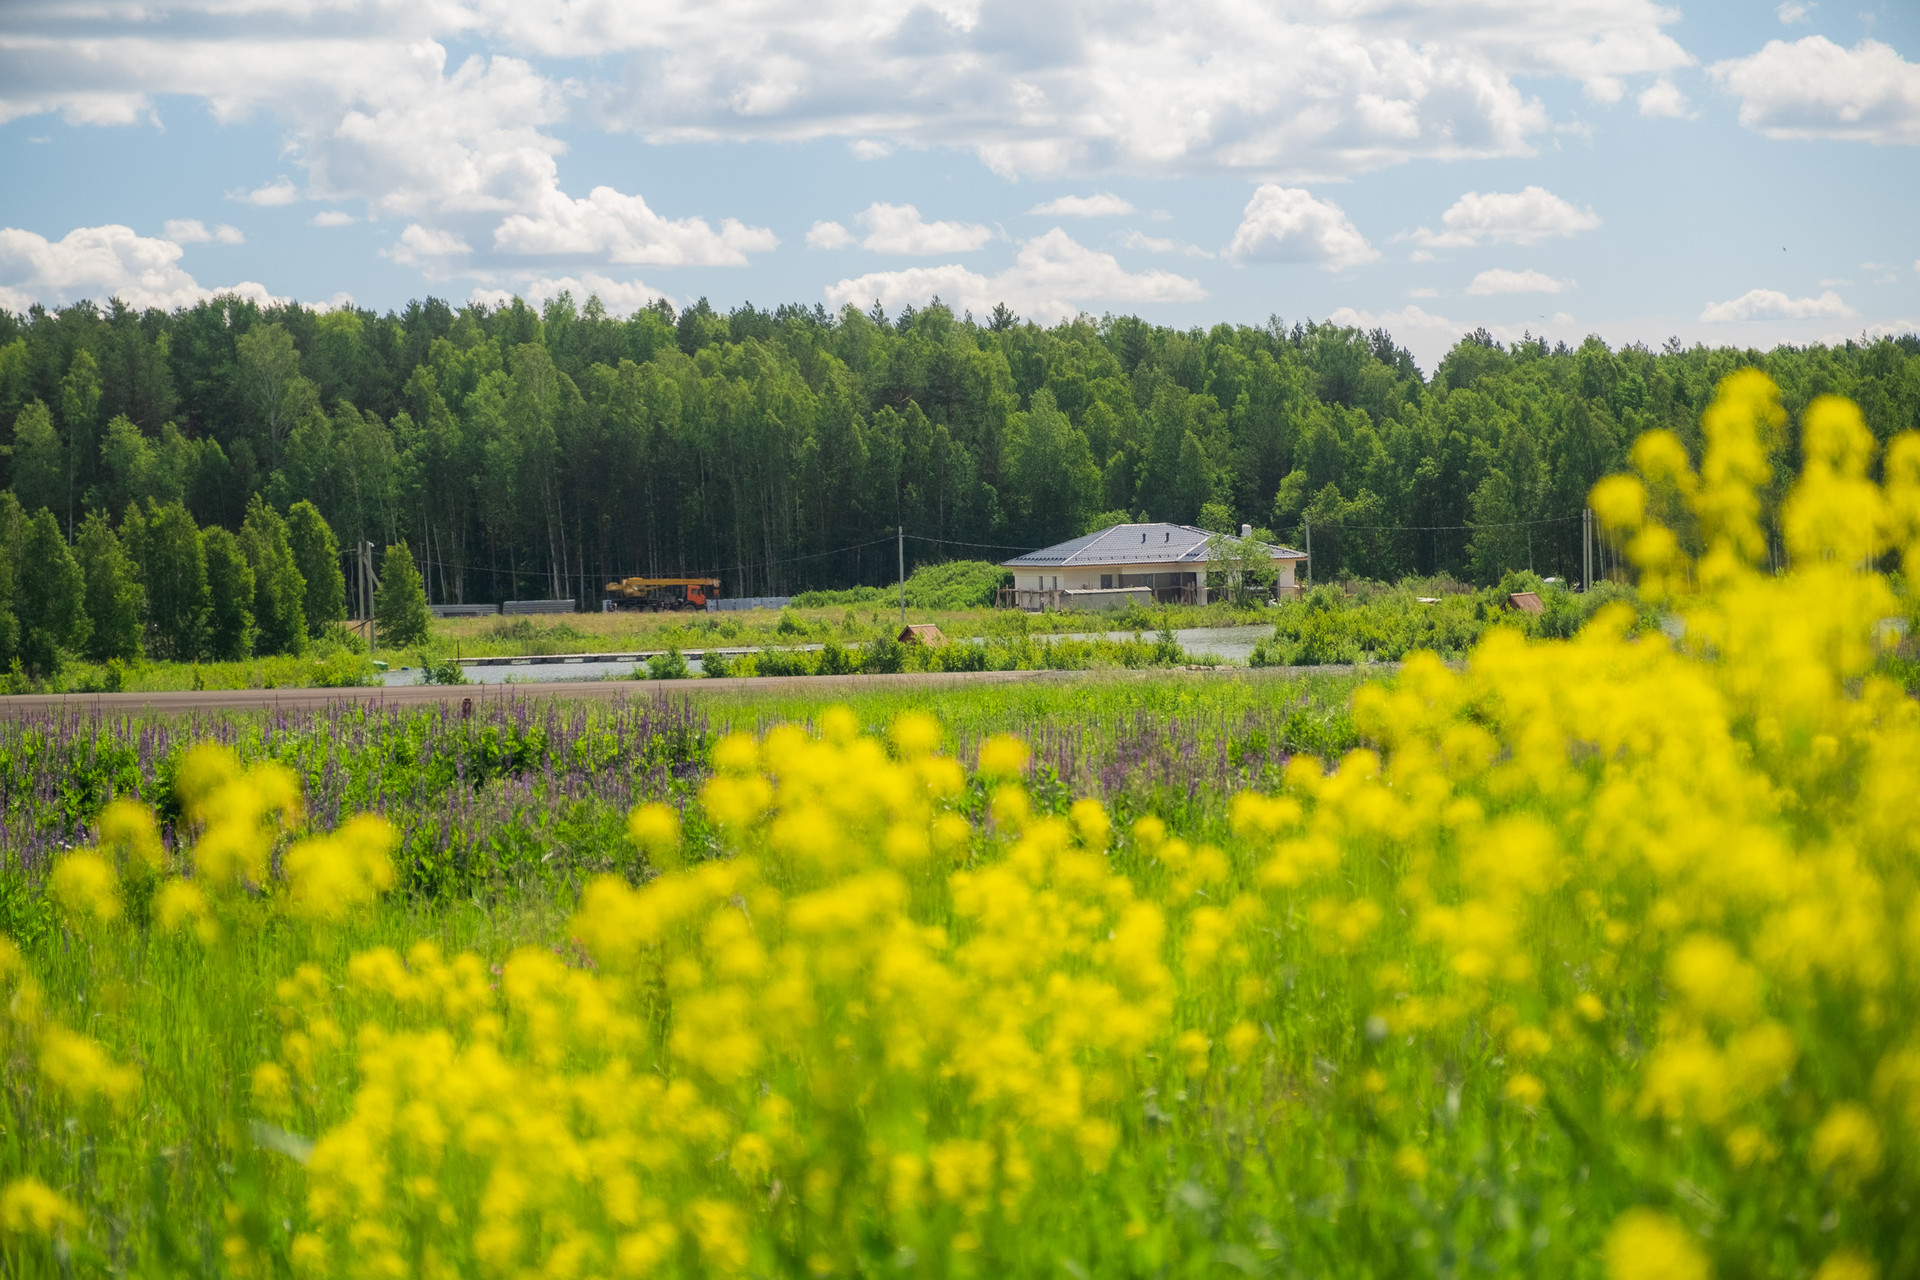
(103, 262)
(1159, 244)
(1814, 88)
(1792, 11)
(333, 218)
(194, 231)
(428, 248)
(828, 235)
(1771, 304)
(1287, 224)
(1500, 280)
(280, 191)
(623, 229)
(1512, 217)
(1662, 100)
(1053, 277)
(899, 229)
(1100, 204)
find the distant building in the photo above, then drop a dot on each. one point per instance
(1147, 563)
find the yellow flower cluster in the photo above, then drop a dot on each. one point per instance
(29, 1208)
(69, 1066)
(764, 1006)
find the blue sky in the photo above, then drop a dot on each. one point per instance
(1726, 173)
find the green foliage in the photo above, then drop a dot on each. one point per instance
(13, 528)
(230, 594)
(51, 600)
(885, 655)
(80, 393)
(1049, 464)
(1371, 622)
(173, 564)
(400, 615)
(128, 458)
(951, 585)
(115, 601)
(442, 669)
(1243, 566)
(316, 553)
(520, 445)
(279, 590)
(39, 461)
(670, 665)
(274, 391)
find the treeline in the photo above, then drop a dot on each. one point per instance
(523, 452)
(161, 586)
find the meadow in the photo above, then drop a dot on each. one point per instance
(1586, 957)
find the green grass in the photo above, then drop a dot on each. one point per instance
(324, 668)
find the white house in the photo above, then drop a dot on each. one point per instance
(1164, 563)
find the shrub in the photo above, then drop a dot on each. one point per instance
(784, 662)
(670, 665)
(441, 669)
(835, 661)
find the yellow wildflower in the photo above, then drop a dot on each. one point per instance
(1003, 756)
(85, 886)
(29, 1207)
(655, 828)
(1847, 1146)
(1646, 1244)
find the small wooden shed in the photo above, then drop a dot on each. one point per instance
(1525, 602)
(922, 633)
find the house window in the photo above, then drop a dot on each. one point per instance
(1056, 582)
(1106, 582)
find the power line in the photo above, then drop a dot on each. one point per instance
(812, 555)
(1447, 528)
(986, 546)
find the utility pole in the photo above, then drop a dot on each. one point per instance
(1586, 548)
(367, 584)
(902, 531)
(1306, 522)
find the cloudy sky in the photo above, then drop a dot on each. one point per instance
(1726, 172)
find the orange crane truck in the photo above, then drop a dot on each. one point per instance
(655, 594)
